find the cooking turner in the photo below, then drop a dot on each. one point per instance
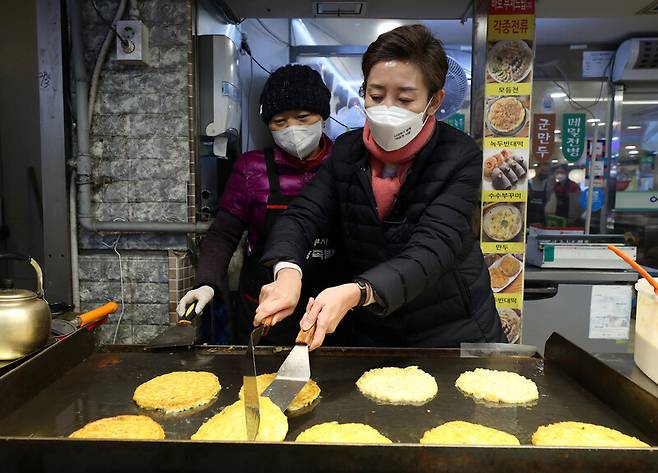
(250, 392)
(293, 374)
(183, 334)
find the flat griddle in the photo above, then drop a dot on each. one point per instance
(99, 382)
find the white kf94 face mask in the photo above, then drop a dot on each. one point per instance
(394, 127)
(299, 140)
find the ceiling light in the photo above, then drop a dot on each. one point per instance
(630, 147)
(633, 152)
(558, 95)
(586, 99)
(633, 127)
(601, 124)
(554, 160)
(640, 102)
(593, 120)
(571, 164)
(557, 132)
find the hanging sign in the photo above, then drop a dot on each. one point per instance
(573, 136)
(511, 7)
(543, 136)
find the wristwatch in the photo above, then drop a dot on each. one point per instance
(364, 292)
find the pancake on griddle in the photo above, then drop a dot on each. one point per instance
(121, 427)
(580, 434)
(177, 391)
(309, 393)
(333, 432)
(498, 386)
(409, 385)
(466, 433)
(230, 424)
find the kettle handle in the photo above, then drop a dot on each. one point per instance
(33, 263)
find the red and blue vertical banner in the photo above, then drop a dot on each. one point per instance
(506, 148)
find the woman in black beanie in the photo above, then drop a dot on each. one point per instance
(294, 104)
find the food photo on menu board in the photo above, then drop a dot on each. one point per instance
(505, 272)
(511, 322)
(505, 169)
(503, 221)
(507, 116)
(509, 61)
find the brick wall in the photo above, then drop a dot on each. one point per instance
(140, 144)
(145, 290)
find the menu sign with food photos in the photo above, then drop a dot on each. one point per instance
(573, 136)
(543, 136)
(506, 154)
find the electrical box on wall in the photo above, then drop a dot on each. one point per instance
(132, 42)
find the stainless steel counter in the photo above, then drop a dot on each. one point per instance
(559, 300)
(624, 364)
(589, 276)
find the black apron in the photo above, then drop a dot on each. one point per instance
(562, 197)
(537, 200)
(320, 271)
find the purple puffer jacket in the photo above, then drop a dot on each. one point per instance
(247, 190)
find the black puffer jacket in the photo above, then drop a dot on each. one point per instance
(423, 260)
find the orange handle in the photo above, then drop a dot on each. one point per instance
(98, 313)
(635, 266)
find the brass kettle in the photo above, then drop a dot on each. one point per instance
(24, 316)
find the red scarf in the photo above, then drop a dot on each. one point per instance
(386, 188)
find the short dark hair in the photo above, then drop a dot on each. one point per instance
(413, 43)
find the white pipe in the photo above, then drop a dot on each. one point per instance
(73, 226)
(100, 60)
(133, 13)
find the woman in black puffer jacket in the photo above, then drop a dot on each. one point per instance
(401, 193)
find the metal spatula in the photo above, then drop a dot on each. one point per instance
(183, 334)
(250, 393)
(293, 374)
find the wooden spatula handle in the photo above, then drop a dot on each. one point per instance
(305, 337)
(267, 323)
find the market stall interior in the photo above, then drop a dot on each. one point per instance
(120, 126)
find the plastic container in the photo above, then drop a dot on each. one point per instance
(646, 330)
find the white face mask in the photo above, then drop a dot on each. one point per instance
(299, 140)
(394, 127)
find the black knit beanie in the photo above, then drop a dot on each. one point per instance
(294, 87)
